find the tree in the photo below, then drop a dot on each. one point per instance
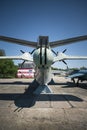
(2, 52)
(7, 67)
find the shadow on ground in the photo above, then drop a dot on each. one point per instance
(71, 84)
(28, 99)
(15, 83)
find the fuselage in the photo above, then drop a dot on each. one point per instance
(43, 59)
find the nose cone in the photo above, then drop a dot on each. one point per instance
(46, 57)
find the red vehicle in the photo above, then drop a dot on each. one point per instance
(25, 73)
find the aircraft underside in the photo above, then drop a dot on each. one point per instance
(43, 77)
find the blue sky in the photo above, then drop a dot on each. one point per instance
(58, 19)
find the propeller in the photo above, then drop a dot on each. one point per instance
(25, 56)
(54, 52)
(29, 52)
(65, 64)
(22, 64)
(22, 51)
(32, 51)
(64, 60)
(64, 51)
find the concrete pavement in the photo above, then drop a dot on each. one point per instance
(65, 109)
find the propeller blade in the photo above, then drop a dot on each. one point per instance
(54, 52)
(32, 51)
(64, 51)
(22, 63)
(64, 62)
(22, 51)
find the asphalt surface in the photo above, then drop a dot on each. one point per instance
(65, 109)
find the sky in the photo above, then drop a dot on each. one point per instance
(58, 19)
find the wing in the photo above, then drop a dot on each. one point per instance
(75, 75)
(26, 56)
(62, 57)
(68, 41)
(18, 41)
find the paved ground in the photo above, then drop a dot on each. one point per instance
(65, 109)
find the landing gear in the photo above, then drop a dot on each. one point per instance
(77, 83)
(73, 80)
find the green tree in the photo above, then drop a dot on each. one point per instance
(7, 67)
